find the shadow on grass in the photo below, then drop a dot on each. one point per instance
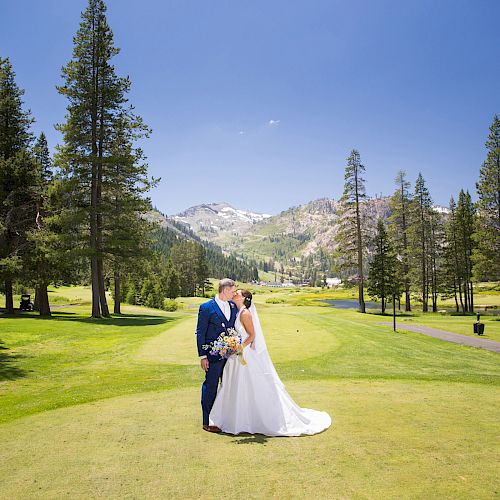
(113, 320)
(389, 314)
(250, 439)
(120, 320)
(7, 370)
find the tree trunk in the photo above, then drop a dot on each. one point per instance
(407, 297)
(455, 294)
(118, 299)
(36, 301)
(383, 305)
(9, 297)
(102, 289)
(461, 296)
(44, 306)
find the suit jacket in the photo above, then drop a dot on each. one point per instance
(211, 323)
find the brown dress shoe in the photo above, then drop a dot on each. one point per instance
(211, 428)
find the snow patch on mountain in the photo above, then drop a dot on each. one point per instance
(209, 220)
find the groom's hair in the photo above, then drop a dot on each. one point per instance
(226, 283)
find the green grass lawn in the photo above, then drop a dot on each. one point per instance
(110, 408)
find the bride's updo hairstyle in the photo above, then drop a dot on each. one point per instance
(247, 302)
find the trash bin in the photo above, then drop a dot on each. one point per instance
(479, 328)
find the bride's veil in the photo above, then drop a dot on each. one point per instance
(261, 357)
(259, 342)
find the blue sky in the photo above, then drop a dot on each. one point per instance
(259, 103)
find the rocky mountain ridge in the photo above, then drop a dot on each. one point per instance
(299, 236)
(209, 220)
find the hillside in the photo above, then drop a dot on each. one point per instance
(294, 243)
(220, 262)
(297, 238)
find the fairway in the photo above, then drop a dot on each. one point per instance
(110, 409)
(388, 440)
(289, 336)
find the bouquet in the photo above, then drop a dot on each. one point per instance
(227, 344)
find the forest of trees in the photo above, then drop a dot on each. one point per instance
(79, 217)
(420, 253)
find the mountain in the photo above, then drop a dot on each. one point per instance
(293, 243)
(210, 221)
(220, 262)
(298, 237)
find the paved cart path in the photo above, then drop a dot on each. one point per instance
(490, 345)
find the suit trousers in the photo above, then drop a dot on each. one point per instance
(210, 386)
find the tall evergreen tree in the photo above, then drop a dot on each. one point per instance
(349, 238)
(97, 113)
(127, 234)
(465, 226)
(400, 203)
(487, 237)
(435, 251)
(420, 237)
(452, 285)
(383, 267)
(188, 259)
(15, 171)
(42, 257)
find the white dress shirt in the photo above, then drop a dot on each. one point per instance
(224, 306)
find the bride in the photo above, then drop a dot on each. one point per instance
(251, 397)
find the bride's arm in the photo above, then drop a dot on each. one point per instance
(247, 322)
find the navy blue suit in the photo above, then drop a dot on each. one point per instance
(211, 323)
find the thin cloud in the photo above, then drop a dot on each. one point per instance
(241, 132)
(273, 122)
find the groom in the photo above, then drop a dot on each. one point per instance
(214, 318)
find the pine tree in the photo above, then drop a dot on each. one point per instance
(383, 267)
(43, 258)
(97, 112)
(400, 203)
(465, 225)
(127, 234)
(349, 238)
(435, 251)
(15, 165)
(487, 237)
(172, 284)
(452, 284)
(188, 259)
(131, 294)
(19, 207)
(420, 238)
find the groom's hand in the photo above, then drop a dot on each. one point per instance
(204, 364)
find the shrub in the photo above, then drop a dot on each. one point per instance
(59, 299)
(131, 295)
(170, 305)
(275, 300)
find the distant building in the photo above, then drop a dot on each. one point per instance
(333, 282)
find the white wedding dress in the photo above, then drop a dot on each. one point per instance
(252, 398)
